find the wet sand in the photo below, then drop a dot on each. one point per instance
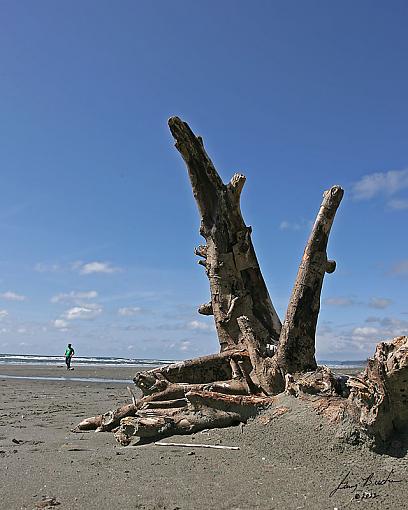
(292, 462)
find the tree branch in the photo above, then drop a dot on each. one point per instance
(296, 350)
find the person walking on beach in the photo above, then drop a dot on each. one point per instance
(69, 352)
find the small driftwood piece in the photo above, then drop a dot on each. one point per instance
(108, 421)
(163, 404)
(132, 394)
(198, 445)
(91, 423)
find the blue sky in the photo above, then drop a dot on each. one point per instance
(97, 218)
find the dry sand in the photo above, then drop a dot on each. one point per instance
(292, 462)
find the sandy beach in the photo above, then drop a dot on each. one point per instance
(291, 462)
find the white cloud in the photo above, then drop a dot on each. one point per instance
(129, 311)
(387, 328)
(379, 303)
(75, 297)
(339, 301)
(394, 326)
(358, 340)
(398, 203)
(46, 268)
(199, 326)
(287, 225)
(3, 313)
(295, 225)
(78, 266)
(12, 296)
(365, 331)
(90, 311)
(181, 345)
(380, 183)
(97, 267)
(21, 330)
(184, 345)
(61, 324)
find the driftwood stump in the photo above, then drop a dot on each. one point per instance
(259, 357)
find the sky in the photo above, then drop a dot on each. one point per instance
(97, 219)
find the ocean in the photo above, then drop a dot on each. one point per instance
(28, 359)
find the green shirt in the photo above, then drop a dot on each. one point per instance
(69, 352)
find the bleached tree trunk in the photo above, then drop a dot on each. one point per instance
(236, 283)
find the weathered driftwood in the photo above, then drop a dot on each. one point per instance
(372, 405)
(259, 357)
(236, 283)
(169, 392)
(380, 396)
(108, 421)
(243, 312)
(296, 350)
(91, 423)
(163, 404)
(322, 381)
(132, 394)
(198, 445)
(204, 409)
(205, 369)
(186, 422)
